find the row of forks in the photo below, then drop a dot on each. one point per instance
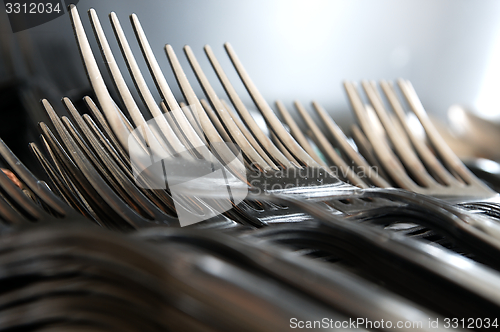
(334, 210)
(91, 168)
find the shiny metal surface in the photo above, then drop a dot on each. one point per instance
(323, 244)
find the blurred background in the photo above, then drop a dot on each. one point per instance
(293, 49)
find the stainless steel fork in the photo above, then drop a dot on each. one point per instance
(406, 158)
(20, 210)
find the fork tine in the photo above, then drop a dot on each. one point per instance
(123, 177)
(213, 136)
(221, 129)
(366, 150)
(341, 139)
(66, 193)
(110, 149)
(297, 133)
(119, 180)
(96, 80)
(267, 145)
(177, 129)
(75, 180)
(219, 147)
(195, 142)
(423, 151)
(292, 146)
(59, 187)
(188, 93)
(225, 117)
(10, 215)
(142, 87)
(125, 159)
(67, 181)
(249, 136)
(160, 198)
(137, 135)
(395, 122)
(21, 200)
(116, 76)
(221, 116)
(329, 149)
(402, 147)
(381, 148)
(283, 149)
(30, 180)
(107, 130)
(249, 165)
(124, 92)
(90, 175)
(450, 159)
(80, 183)
(193, 119)
(77, 138)
(215, 121)
(209, 92)
(56, 160)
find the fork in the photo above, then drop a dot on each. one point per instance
(412, 165)
(18, 209)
